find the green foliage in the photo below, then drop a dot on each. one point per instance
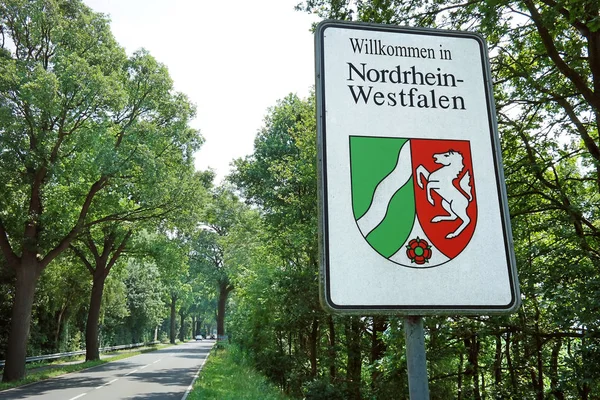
(322, 389)
(7, 283)
(146, 307)
(228, 376)
(279, 304)
(114, 310)
(59, 309)
(545, 66)
(81, 121)
(93, 146)
(220, 247)
(96, 145)
(170, 252)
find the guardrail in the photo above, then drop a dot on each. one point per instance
(80, 352)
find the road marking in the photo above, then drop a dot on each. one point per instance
(76, 397)
(157, 361)
(107, 383)
(131, 372)
(145, 366)
(189, 389)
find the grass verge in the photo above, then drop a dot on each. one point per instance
(40, 371)
(227, 376)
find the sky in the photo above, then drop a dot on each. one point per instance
(233, 59)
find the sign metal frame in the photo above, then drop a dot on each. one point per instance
(323, 185)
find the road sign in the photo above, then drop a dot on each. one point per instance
(413, 210)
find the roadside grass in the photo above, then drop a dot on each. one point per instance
(40, 371)
(227, 376)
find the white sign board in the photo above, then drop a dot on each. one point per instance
(413, 207)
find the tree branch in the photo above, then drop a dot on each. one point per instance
(67, 239)
(582, 28)
(109, 241)
(89, 242)
(118, 252)
(562, 66)
(82, 257)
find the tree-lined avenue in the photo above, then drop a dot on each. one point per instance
(162, 374)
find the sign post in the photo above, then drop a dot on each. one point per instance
(413, 211)
(418, 385)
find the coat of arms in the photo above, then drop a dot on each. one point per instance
(413, 199)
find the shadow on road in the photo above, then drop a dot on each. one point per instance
(166, 377)
(179, 376)
(49, 385)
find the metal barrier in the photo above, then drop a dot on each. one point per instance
(80, 352)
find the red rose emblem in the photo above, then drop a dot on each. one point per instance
(419, 251)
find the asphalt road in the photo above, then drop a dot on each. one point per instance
(162, 374)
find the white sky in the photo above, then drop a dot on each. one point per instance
(233, 59)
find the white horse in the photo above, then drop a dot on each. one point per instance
(440, 181)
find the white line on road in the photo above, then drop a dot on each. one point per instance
(189, 389)
(157, 361)
(107, 383)
(76, 397)
(131, 372)
(145, 366)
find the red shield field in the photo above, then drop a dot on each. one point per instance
(445, 198)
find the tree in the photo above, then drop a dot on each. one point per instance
(170, 252)
(207, 255)
(545, 57)
(80, 124)
(61, 296)
(202, 300)
(144, 299)
(280, 179)
(7, 284)
(546, 67)
(100, 248)
(99, 261)
(209, 250)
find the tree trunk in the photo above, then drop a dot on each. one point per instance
(459, 382)
(537, 375)
(91, 328)
(498, 361)
(472, 344)
(199, 327)
(224, 289)
(585, 389)
(194, 327)
(377, 347)
(59, 322)
(27, 276)
(354, 359)
(509, 364)
(181, 326)
(539, 382)
(99, 268)
(331, 351)
(554, 377)
(173, 316)
(221, 314)
(314, 338)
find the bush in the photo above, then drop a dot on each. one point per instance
(321, 389)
